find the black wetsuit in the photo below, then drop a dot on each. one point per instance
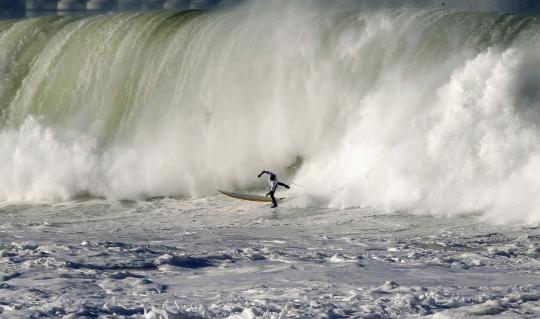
(274, 183)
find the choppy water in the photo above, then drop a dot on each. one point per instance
(218, 258)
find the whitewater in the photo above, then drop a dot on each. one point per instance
(409, 137)
(420, 110)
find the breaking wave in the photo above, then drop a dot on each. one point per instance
(402, 109)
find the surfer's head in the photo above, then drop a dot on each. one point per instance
(272, 177)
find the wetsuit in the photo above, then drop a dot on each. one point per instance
(274, 183)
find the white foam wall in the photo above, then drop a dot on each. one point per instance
(426, 111)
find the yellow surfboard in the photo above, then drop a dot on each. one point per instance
(249, 197)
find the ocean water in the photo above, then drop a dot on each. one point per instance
(409, 137)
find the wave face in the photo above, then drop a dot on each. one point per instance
(402, 109)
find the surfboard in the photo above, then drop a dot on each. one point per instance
(249, 197)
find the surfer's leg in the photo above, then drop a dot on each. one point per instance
(273, 199)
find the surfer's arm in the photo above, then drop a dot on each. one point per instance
(266, 172)
(284, 185)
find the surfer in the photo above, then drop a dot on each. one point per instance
(273, 181)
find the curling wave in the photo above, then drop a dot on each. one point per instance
(403, 109)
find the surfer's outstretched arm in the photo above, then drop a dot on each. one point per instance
(266, 172)
(284, 185)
